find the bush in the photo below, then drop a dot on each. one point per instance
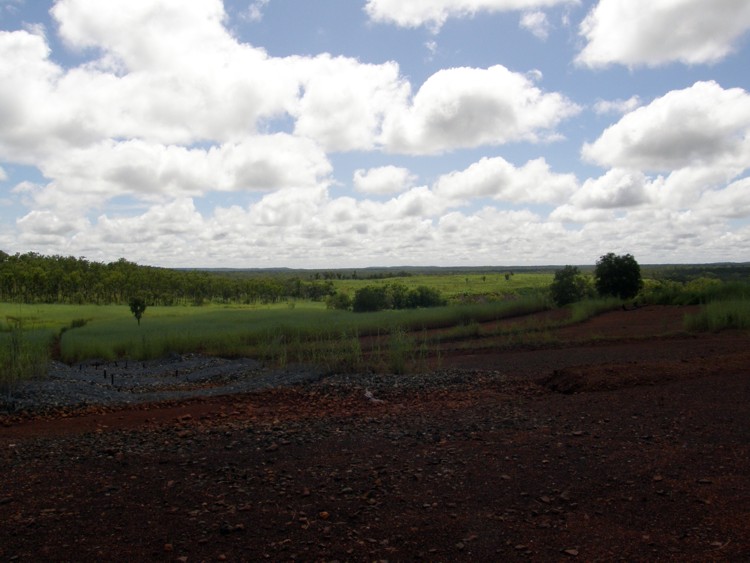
(369, 299)
(395, 296)
(618, 276)
(424, 296)
(569, 286)
(339, 301)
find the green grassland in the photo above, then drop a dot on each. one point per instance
(306, 331)
(462, 287)
(110, 332)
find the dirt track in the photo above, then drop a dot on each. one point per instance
(626, 449)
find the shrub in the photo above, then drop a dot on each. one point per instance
(424, 296)
(568, 286)
(369, 299)
(339, 301)
(395, 296)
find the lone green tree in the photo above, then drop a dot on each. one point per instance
(569, 286)
(137, 307)
(618, 276)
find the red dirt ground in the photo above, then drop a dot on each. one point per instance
(621, 439)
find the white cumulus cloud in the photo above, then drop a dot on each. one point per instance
(653, 33)
(703, 125)
(163, 137)
(617, 188)
(88, 178)
(498, 179)
(168, 31)
(383, 180)
(343, 101)
(468, 107)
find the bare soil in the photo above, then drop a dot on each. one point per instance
(620, 439)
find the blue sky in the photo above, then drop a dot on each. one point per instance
(346, 133)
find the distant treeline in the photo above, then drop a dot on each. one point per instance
(395, 296)
(34, 278)
(728, 272)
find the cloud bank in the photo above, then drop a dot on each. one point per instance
(182, 144)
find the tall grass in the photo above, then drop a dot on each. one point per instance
(588, 308)
(399, 347)
(724, 305)
(22, 355)
(719, 315)
(532, 330)
(693, 292)
(282, 334)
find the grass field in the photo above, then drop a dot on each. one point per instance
(304, 331)
(111, 332)
(455, 287)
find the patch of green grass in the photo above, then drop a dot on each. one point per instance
(306, 333)
(281, 334)
(23, 355)
(693, 292)
(460, 287)
(588, 308)
(720, 315)
(399, 346)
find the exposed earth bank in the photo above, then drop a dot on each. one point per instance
(623, 439)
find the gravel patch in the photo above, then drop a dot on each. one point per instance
(122, 383)
(127, 382)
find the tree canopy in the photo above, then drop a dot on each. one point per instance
(618, 276)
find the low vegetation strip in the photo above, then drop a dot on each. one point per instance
(720, 315)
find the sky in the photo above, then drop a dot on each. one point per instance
(355, 133)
